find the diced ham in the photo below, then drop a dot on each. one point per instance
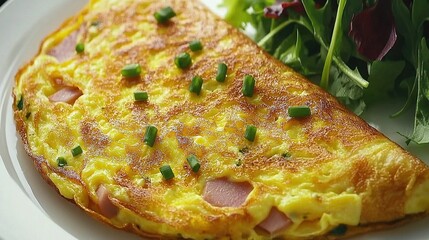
(275, 222)
(66, 48)
(224, 193)
(107, 208)
(67, 94)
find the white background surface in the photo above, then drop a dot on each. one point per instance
(29, 208)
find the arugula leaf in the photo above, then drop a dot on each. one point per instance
(293, 53)
(263, 28)
(420, 14)
(406, 29)
(290, 49)
(237, 14)
(353, 75)
(346, 91)
(409, 85)
(410, 26)
(294, 19)
(408, 33)
(383, 73)
(320, 19)
(421, 123)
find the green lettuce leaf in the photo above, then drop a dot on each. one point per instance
(421, 123)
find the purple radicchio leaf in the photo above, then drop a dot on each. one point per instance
(279, 9)
(373, 30)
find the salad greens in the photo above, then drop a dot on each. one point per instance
(360, 51)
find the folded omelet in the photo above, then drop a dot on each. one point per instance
(158, 118)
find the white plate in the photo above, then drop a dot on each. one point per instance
(29, 208)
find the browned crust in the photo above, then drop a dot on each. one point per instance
(92, 209)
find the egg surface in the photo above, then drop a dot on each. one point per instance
(159, 118)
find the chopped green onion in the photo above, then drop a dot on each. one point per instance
(20, 104)
(27, 116)
(339, 230)
(76, 151)
(221, 72)
(95, 23)
(250, 133)
(164, 14)
(299, 111)
(166, 172)
(183, 60)
(131, 70)
(80, 47)
(61, 162)
(141, 96)
(150, 135)
(238, 162)
(196, 46)
(244, 150)
(286, 155)
(248, 86)
(196, 84)
(194, 163)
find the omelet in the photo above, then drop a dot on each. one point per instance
(158, 118)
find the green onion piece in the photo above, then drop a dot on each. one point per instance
(339, 230)
(250, 133)
(150, 135)
(95, 23)
(164, 14)
(194, 163)
(76, 151)
(183, 60)
(238, 162)
(20, 104)
(221, 72)
(27, 116)
(131, 70)
(244, 150)
(196, 46)
(299, 111)
(141, 96)
(61, 162)
(166, 172)
(80, 47)
(196, 84)
(248, 86)
(286, 155)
